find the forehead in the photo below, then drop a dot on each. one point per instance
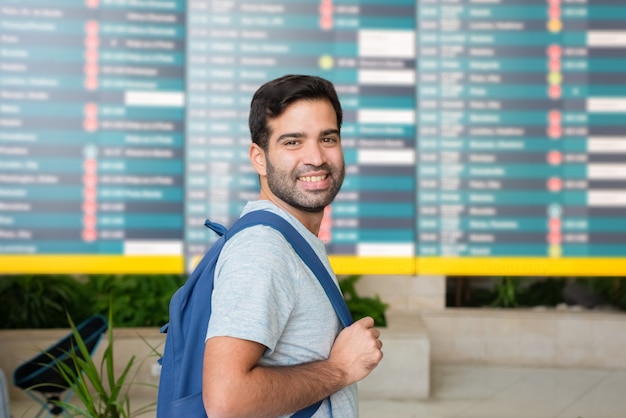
(305, 115)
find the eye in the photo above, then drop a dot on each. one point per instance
(291, 143)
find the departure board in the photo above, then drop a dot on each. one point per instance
(521, 136)
(481, 137)
(92, 135)
(368, 50)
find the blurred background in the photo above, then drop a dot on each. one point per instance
(485, 144)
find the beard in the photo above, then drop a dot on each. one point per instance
(284, 185)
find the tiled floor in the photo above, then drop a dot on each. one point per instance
(462, 391)
(512, 392)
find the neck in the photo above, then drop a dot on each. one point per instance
(310, 220)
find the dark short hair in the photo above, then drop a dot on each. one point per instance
(273, 97)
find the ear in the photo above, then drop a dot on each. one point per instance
(257, 158)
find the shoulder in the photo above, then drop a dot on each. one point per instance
(257, 246)
(257, 238)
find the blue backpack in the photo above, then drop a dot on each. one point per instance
(180, 386)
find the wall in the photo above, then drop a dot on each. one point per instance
(515, 337)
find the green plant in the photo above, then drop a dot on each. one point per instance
(139, 300)
(37, 301)
(611, 289)
(42, 301)
(544, 292)
(100, 392)
(361, 307)
(507, 289)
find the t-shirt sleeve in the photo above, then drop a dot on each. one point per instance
(256, 286)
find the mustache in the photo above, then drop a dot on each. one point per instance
(314, 168)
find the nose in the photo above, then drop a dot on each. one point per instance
(314, 154)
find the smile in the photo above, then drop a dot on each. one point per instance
(312, 179)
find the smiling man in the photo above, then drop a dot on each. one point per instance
(274, 343)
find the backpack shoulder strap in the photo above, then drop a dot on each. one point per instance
(306, 253)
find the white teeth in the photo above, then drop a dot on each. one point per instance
(310, 179)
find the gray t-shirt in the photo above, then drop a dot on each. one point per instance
(265, 293)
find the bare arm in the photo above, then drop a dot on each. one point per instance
(234, 385)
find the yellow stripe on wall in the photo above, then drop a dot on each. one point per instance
(91, 264)
(372, 265)
(521, 266)
(451, 266)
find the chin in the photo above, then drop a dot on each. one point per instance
(313, 210)
(308, 209)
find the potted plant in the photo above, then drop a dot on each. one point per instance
(101, 394)
(362, 306)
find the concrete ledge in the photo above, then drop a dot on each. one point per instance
(404, 372)
(528, 337)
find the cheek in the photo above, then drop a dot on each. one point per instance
(336, 157)
(284, 162)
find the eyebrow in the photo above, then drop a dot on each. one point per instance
(290, 135)
(330, 131)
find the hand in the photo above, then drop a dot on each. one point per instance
(357, 350)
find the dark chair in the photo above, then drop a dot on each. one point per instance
(39, 376)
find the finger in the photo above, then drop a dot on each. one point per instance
(367, 322)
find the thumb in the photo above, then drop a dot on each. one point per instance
(365, 322)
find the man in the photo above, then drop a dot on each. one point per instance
(274, 343)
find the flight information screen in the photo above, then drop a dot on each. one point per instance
(522, 136)
(92, 134)
(368, 50)
(480, 136)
